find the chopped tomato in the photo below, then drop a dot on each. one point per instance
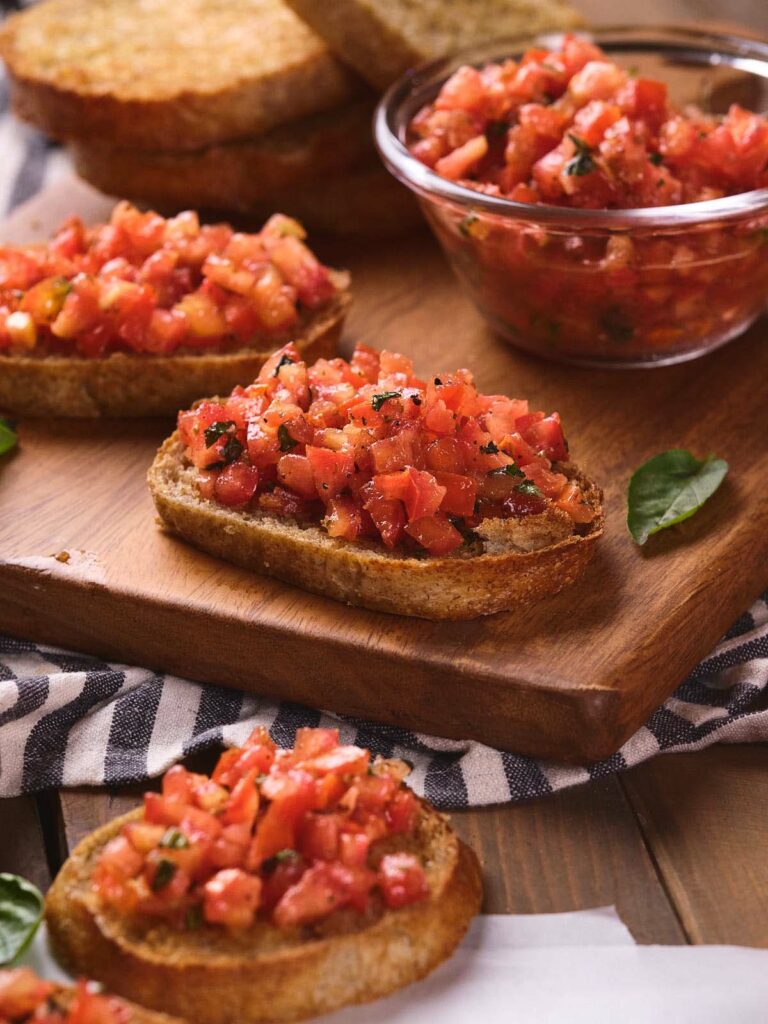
(402, 879)
(287, 835)
(430, 456)
(231, 898)
(150, 286)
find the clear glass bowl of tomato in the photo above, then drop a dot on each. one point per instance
(603, 287)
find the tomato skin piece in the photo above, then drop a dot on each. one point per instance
(343, 518)
(388, 517)
(231, 898)
(322, 889)
(295, 473)
(402, 880)
(460, 494)
(437, 535)
(310, 743)
(332, 471)
(236, 484)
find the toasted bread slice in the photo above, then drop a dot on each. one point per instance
(167, 75)
(146, 385)
(381, 39)
(364, 201)
(236, 175)
(510, 563)
(265, 974)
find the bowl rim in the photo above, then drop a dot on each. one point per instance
(388, 131)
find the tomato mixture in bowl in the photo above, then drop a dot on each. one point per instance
(150, 286)
(593, 212)
(285, 836)
(374, 454)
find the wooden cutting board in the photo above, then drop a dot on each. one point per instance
(84, 565)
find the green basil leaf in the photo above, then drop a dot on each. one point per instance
(378, 400)
(286, 441)
(21, 911)
(8, 437)
(669, 488)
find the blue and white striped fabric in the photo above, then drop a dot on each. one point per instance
(67, 720)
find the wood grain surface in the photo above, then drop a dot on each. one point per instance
(571, 678)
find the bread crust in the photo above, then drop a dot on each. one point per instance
(363, 202)
(131, 386)
(174, 76)
(235, 175)
(211, 977)
(366, 574)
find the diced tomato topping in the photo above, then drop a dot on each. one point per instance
(410, 463)
(574, 128)
(231, 898)
(285, 835)
(24, 997)
(150, 286)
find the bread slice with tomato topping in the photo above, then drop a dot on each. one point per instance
(346, 887)
(364, 483)
(25, 998)
(142, 315)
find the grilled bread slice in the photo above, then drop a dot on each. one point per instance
(235, 175)
(381, 39)
(144, 385)
(166, 75)
(511, 562)
(209, 976)
(363, 201)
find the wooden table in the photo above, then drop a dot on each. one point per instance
(678, 844)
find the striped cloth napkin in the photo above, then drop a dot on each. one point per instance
(67, 719)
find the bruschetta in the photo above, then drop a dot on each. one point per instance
(360, 481)
(27, 999)
(142, 315)
(287, 884)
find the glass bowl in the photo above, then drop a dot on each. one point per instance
(641, 287)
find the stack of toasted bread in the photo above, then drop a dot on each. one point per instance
(240, 106)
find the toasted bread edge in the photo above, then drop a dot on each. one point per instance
(133, 386)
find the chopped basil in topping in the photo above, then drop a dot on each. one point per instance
(174, 839)
(582, 162)
(269, 865)
(286, 441)
(489, 449)
(284, 361)
(217, 430)
(529, 487)
(166, 869)
(656, 158)
(511, 469)
(378, 400)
